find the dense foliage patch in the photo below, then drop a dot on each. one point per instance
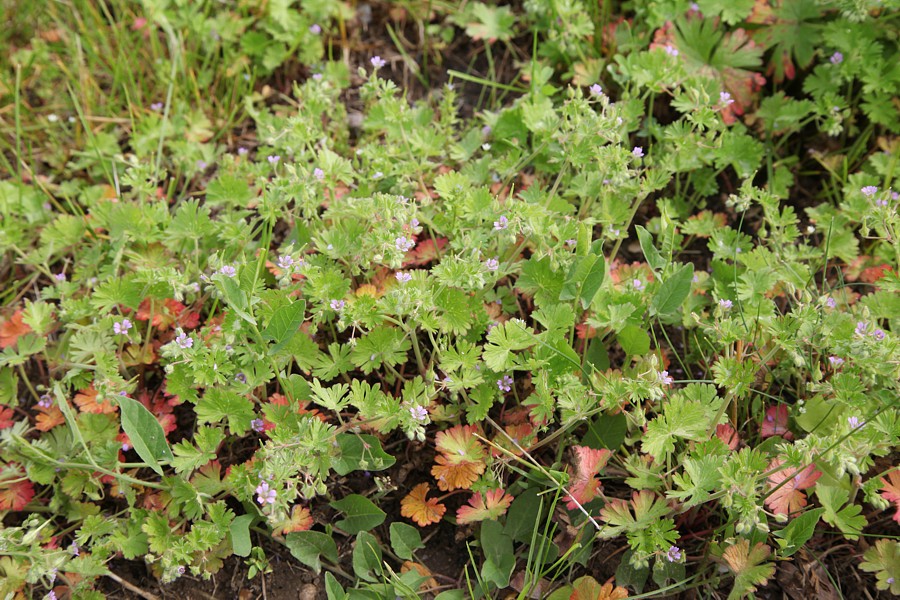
(621, 283)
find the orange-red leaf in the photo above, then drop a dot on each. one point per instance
(12, 329)
(423, 512)
(301, 520)
(491, 505)
(426, 251)
(86, 400)
(49, 418)
(728, 435)
(453, 476)
(587, 588)
(890, 491)
(6, 417)
(16, 491)
(788, 498)
(585, 485)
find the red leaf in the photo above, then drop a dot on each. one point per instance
(16, 491)
(87, 402)
(426, 251)
(776, 422)
(491, 505)
(301, 520)
(6, 417)
(12, 329)
(728, 435)
(788, 498)
(890, 491)
(584, 486)
(424, 512)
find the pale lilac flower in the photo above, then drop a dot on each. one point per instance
(414, 222)
(862, 327)
(122, 327)
(285, 262)
(404, 244)
(505, 384)
(881, 202)
(725, 304)
(637, 152)
(638, 284)
(665, 378)
(596, 90)
(265, 495)
(51, 595)
(486, 130)
(201, 164)
(869, 190)
(831, 303)
(835, 361)
(492, 264)
(403, 276)
(257, 425)
(419, 413)
(181, 569)
(228, 271)
(878, 334)
(377, 62)
(184, 341)
(156, 106)
(45, 401)
(337, 305)
(240, 378)
(854, 422)
(836, 58)
(318, 173)
(242, 151)
(571, 243)
(73, 548)
(674, 554)
(317, 76)
(60, 277)
(378, 175)
(890, 581)
(315, 29)
(671, 50)
(273, 159)
(695, 7)
(725, 98)
(501, 223)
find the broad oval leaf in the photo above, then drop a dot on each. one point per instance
(362, 514)
(145, 433)
(284, 324)
(673, 291)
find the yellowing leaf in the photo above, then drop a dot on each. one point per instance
(490, 505)
(301, 520)
(423, 512)
(747, 566)
(86, 400)
(587, 588)
(12, 329)
(456, 476)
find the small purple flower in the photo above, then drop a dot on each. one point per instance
(228, 271)
(242, 151)
(318, 173)
(181, 569)
(51, 595)
(505, 384)
(60, 277)
(337, 305)
(725, 304)
(419, 413)
(403, 276)
(257, 425)
(831, 303)
(596, 90)
(377, 62)
(862, 327)
(285, 262)
(671, 50)
(265, 494)
(73, 548)
(835, 361)
(184, 341)
(317, 76)
(414, 222)
(878, 334)
(122, 327)
(637, 152)
(501, 223)
(854, 422)
(315, 29)
(638, 284)
(571, 243)
(240, 378)
(45, 401)
(881, 202)
(869, 190)
(201, 164)
(695, 7)
(836, 58)
(725, 98)
(492, 264)
(674, 554)
(404, 244)
(890, 581)
(156, 106)
(665, 378)
(273, 159)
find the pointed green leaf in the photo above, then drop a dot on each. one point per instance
(308, 546)
(284, 324)
(654, 258)
(362, 514)
(145, 433)
(405, 540)
(673, 291)
(798, 531)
